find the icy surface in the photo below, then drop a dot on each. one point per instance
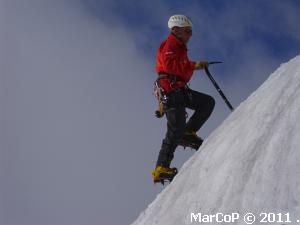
(251, 163)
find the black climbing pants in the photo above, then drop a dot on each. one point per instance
(178, 100)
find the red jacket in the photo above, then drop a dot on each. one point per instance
(172, 59)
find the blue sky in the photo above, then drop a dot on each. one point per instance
(243, 34)
(78, 135)
(268, 22)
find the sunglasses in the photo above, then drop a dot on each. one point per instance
(188, 31)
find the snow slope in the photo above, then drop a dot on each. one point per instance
(251, 163)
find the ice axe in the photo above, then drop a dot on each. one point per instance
(217, 86)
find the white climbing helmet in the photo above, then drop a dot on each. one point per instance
(179, 21)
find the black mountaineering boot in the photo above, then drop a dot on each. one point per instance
(190, 139)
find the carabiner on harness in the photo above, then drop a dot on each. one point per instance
(162, 99)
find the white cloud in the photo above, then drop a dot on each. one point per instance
(74, 103)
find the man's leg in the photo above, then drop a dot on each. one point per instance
(176, 127)
(203, 105)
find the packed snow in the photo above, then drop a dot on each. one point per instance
(250, 164)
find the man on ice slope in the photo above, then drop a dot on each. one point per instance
(174, 72)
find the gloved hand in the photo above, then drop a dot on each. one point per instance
(201, 65)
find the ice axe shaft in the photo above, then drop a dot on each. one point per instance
(214, 62)
(217, 86)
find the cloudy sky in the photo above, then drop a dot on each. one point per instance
(78, 135)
